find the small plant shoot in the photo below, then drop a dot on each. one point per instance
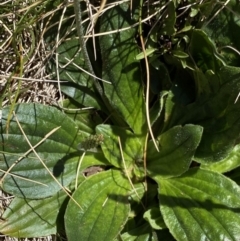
(91, 142)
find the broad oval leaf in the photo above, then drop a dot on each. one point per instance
(26, 218)
(200, 205)
(221, 123)
(58, 151)
(105, 209)
(118, 52)
(217, 112)
(177, 147)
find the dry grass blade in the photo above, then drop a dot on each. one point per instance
(148, 82)
(78, 169)
(147, 94)
(83, 70)
(21, 27)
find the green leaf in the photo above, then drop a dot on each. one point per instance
(169, 20)
(227, 164)
(104, 199)
(156, 110)
(224, 30)
(154, 218)
(149, 235)
(140, 196)
(85, 119)
(206, 84)
(200, 205)
(185, 29)
(221, 124)
(140, 233)
(131, 146)
(59, 151)
(138, 237)
(180, 54)
(177, 147)
(203, 51)
(67, 55)
(26, 218)
(118, 52)
(217, 112)
(148, 52)
(82, 94)
(194, 12)
(69, 65)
